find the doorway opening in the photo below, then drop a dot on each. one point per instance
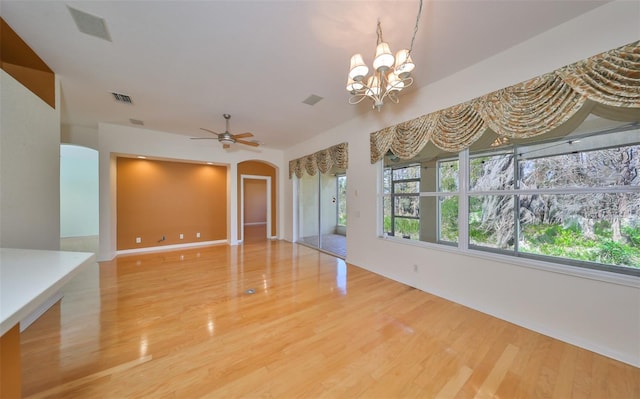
(255, 208)
(79, 210)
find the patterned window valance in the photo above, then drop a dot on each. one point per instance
(607, 85)
(322, 161)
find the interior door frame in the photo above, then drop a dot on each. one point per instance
(268, 202)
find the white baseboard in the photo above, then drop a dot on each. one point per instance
(170, 247)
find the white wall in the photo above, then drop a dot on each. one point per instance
(29, 168)
(78, 191)
(124, 140)
(79, 135)
(597, 311)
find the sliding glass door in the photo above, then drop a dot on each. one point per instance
(309, 210)
(322, 211)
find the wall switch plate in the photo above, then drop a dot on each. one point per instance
(197, 235)
(181, 236)
(138, 240)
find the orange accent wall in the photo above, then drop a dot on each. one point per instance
(162, 198)
(259, 168)
(255, 201)
(21, 62)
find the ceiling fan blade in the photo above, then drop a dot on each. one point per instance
(225, 146)
(210, 131)
(243, 135)
(251, 143)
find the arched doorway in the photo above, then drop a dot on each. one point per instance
(79, 210)
(257, 210)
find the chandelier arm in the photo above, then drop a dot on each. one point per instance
(393, 96)
(408, 81)
(357, 98)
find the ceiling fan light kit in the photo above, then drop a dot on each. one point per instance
(390, 74)
(227, 138)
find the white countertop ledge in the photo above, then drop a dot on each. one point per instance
(28, 277)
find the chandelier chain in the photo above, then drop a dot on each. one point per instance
(379, 33)
(415, 28)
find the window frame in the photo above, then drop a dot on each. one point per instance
(514, 255)
(393, 195)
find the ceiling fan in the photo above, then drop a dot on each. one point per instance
(227, 138)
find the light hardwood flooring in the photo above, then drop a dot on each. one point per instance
(183, 324)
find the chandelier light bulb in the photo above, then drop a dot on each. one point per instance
(404, 63)
(373, 84)
(353, 86)
(358, 68)
(394, 82)
(384, 59)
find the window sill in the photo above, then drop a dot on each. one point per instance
(576, 271)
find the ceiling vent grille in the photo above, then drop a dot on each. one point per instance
(90, 24)
(312, 100)
(122, 98)
(136, 122)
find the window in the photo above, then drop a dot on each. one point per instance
(572, 200)
(341, 183)
(402, 208)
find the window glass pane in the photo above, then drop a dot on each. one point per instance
(386, 213)
(407, 228)
(407, 206)
(491, 221)
(409, 172)
(491, 172)
(597, 168)
(309, 210)
(595, 227)
(448, 176)
(386, 181)
(448, 218)
(410, 187)
(342, 200)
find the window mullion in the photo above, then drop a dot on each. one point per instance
(463, 200)
(516, 203)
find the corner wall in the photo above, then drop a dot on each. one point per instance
(599, 312)
(29, 147)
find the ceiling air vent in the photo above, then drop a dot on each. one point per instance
(90, 24)
(136, 122)
(312, 100)
(122, 98)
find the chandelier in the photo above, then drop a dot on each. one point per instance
(389, 76)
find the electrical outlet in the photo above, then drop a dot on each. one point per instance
(138, 240)
(197, 235)
(181, 236)
(415, 268)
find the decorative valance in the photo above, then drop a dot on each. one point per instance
(607, 85)
(322, 161)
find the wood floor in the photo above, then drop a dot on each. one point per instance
(185, 324)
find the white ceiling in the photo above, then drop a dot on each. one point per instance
(185, 63)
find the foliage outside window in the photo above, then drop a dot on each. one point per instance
(341, 182)
(569, 200)
(402, 209)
